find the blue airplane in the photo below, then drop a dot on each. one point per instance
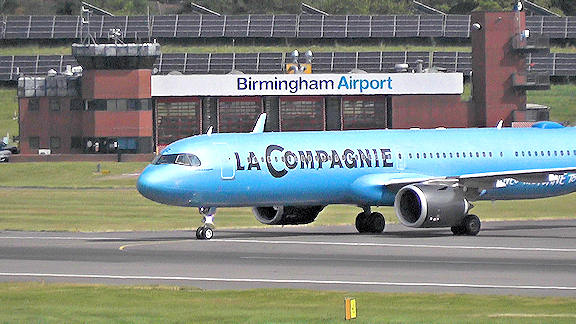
(429, 176)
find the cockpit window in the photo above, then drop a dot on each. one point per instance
(181, 159)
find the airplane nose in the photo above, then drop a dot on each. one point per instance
(150, 185)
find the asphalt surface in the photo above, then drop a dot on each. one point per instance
(517, 258)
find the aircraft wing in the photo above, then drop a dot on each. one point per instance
(486, 180)
(370, 185)
(489, 180)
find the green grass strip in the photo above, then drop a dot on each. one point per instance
(66, 303)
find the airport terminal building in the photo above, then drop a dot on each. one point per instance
(116, 103)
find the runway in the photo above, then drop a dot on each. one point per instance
(518, 258)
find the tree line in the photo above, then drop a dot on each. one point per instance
(234, 7)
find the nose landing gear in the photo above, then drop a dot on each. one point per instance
(206, 231)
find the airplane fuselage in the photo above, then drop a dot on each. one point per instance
(355, 167)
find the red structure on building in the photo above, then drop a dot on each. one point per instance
(105, 109)
(500, 79)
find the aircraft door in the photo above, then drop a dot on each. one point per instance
(228, 171)
(400, 158)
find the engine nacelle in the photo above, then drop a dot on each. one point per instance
(286, 215)
(422, 205)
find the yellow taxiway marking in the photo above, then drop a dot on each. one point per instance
(123, 247)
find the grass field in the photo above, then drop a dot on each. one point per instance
(71, 196)
(61, 303)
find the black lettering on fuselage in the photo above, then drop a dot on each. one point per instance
(239, 165)
(275, 173)
(291, 160)
(253, 162)
(322, 157)
(386, 155)
(377, 164)
(336, 160)
(365, 158)
(349, 159)
(306, 160)
(315, 159)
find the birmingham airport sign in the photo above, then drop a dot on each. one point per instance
(306, 84)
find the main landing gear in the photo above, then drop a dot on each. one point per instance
(470, 225)
(206, 231)
(370, 222)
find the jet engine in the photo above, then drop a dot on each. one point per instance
(286, 215)
(421, 205)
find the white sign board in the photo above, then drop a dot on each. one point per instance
(306, 84)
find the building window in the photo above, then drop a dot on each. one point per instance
(76, 143)
(176, 120)
(33, 104)
(54, 104)
(97, 105)
(364, 112)
(138, 104)
(76, 104)
(238, 115)
(55, 143)
(34, 142)
(301, 113)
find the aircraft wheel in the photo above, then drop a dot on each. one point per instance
(458, 230)
(471, 225)
(199, 233)
(208, 233)
(377, 223)
(362, 223)
(373, 223)
(204, 233)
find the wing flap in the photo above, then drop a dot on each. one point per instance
(489, 180)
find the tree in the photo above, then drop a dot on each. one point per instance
(8, 6)
(567, 6)
(67, 7)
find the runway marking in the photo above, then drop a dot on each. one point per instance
(289, 281)
(353, 244)
(61, 238)
(459, 247)
(401, 261)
